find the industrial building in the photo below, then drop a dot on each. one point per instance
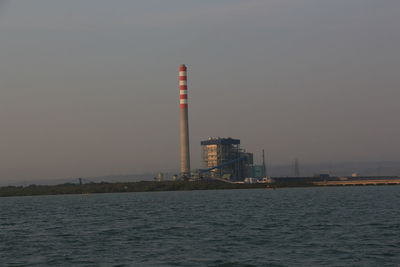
(224, 158)
(258, 171)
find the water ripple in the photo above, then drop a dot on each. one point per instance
(290, 227)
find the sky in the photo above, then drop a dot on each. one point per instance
(89, 88)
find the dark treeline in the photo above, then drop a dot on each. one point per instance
(144, 186)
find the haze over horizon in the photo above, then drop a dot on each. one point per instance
(89, 88)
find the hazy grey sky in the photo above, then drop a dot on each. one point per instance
(90, 88)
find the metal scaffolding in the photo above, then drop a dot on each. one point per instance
(219, 151)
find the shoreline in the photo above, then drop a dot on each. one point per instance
(154, 186)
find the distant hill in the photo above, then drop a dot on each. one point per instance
(390, 168)
(372, 168)
(106, 178)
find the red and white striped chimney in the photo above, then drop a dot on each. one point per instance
(184, 122)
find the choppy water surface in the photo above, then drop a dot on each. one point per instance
(352, 226)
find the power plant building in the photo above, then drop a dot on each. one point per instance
(224, 158)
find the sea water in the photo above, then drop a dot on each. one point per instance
(340, 226)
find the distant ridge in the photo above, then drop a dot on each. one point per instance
(106, 178)
(363, 168)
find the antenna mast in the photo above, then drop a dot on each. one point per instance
(264, 168)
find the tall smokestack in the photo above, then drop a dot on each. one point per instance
(184, 122)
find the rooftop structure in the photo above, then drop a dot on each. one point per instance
(220, 141)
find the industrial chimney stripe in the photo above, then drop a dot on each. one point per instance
(183, 86)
